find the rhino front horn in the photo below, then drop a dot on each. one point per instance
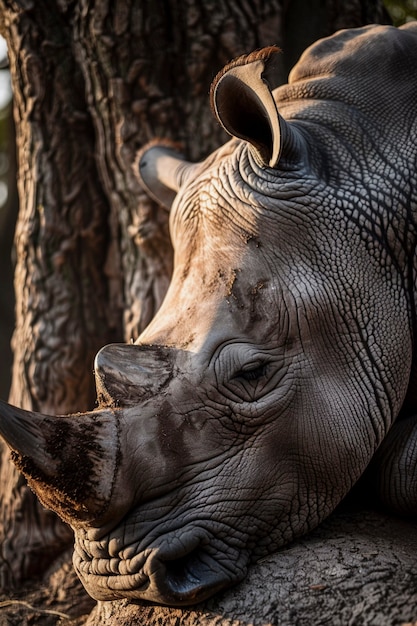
(242, 101)
(69, 462)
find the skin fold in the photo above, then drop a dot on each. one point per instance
(280, 364)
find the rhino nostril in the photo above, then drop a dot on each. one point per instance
(185, 573)
(193, 577)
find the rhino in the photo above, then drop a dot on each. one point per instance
(280, 365)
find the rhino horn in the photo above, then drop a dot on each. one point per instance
(242, 101)
(161, 170)
(70, 462)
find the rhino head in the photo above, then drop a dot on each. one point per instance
(282, 352)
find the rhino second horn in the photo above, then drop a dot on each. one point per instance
(70, 462)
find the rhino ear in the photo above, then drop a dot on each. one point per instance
(242, 101)
(161, 170)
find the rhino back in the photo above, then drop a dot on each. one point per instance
(365, 75)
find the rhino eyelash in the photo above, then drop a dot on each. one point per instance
(252, 374)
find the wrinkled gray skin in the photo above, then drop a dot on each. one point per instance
(283, 352)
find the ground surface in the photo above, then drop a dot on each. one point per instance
(358, 568)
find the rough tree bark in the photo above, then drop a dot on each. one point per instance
(92, 82)
(8, 213)
(63, 313)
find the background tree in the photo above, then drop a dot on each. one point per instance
(92, 82)
(8, 212)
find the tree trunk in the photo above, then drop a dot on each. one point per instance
(63, 309)
(8, 214)
(92, 82)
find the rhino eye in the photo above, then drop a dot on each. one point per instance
(252, 372)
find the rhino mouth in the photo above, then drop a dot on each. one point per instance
(179, 572)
